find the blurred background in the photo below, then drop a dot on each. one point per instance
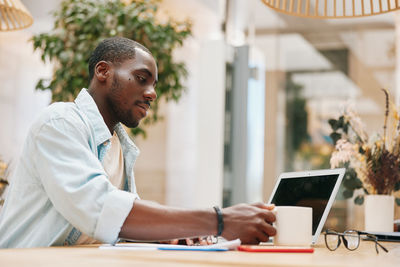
(261, 87)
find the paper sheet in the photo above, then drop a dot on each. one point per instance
(230, 245)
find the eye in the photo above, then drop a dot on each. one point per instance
(140, 78)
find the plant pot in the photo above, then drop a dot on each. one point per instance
(379, 213)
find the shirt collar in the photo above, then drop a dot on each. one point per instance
(86, 104)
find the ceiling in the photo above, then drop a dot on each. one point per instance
(299, 38)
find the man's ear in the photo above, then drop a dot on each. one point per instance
(102, 71)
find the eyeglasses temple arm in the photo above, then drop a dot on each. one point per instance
(385, 249)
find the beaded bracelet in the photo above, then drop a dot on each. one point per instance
(220, 219)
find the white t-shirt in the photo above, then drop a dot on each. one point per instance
(113, 164)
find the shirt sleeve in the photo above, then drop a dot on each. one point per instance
(76, 182)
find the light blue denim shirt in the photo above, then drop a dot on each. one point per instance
(59, 188)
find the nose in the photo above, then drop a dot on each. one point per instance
(150, 93)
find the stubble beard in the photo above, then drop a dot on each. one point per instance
(115, 100)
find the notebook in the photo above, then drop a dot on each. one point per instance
(316, 189)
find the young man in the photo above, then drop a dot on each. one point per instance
(74, 183)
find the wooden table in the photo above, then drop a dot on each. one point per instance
(92, 256)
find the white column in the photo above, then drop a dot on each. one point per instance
(195, 133)
(195, 125)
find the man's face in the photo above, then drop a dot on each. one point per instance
(133, 88)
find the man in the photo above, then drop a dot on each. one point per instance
(74, 183)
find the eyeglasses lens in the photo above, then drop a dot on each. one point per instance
(332, 241)
(352, 238)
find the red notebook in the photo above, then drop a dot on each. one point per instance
(249, 248)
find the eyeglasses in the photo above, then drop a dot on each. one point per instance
(351, 239)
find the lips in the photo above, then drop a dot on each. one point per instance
(144, 107)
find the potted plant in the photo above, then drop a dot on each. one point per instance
(3, 179)
(81, 24)
(372, 162)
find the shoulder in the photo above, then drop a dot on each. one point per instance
(62, 115)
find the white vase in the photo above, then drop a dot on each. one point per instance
(379, 213)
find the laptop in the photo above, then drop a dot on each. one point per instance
(385, 236)
(316, 189)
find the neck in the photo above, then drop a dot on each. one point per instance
(101, 102)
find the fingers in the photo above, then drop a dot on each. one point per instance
(269, 217)
(262, 237)
(264, 206)
(255, 236)
(263, 226)
(250, 223)
(268, 229)
(270, 206)
(265, 211)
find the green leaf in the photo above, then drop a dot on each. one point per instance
(397, 200)
(138, 131)
(335, 137)
(347, 193)
(359, 200)
(352, 183)
(81, 24)
(397, 186)
(341, 121)
(334, 124)
(346, 127)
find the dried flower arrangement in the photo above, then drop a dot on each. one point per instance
(373, 163)
(3, 178)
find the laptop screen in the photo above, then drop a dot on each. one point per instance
(311, 191)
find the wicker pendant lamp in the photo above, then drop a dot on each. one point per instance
(328, 9)
(14, 15)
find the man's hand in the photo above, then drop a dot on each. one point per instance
(151, 221)
(250, 223)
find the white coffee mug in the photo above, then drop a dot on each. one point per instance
(293, 226)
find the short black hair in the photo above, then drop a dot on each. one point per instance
(116, 50)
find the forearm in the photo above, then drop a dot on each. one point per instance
(151, 221)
